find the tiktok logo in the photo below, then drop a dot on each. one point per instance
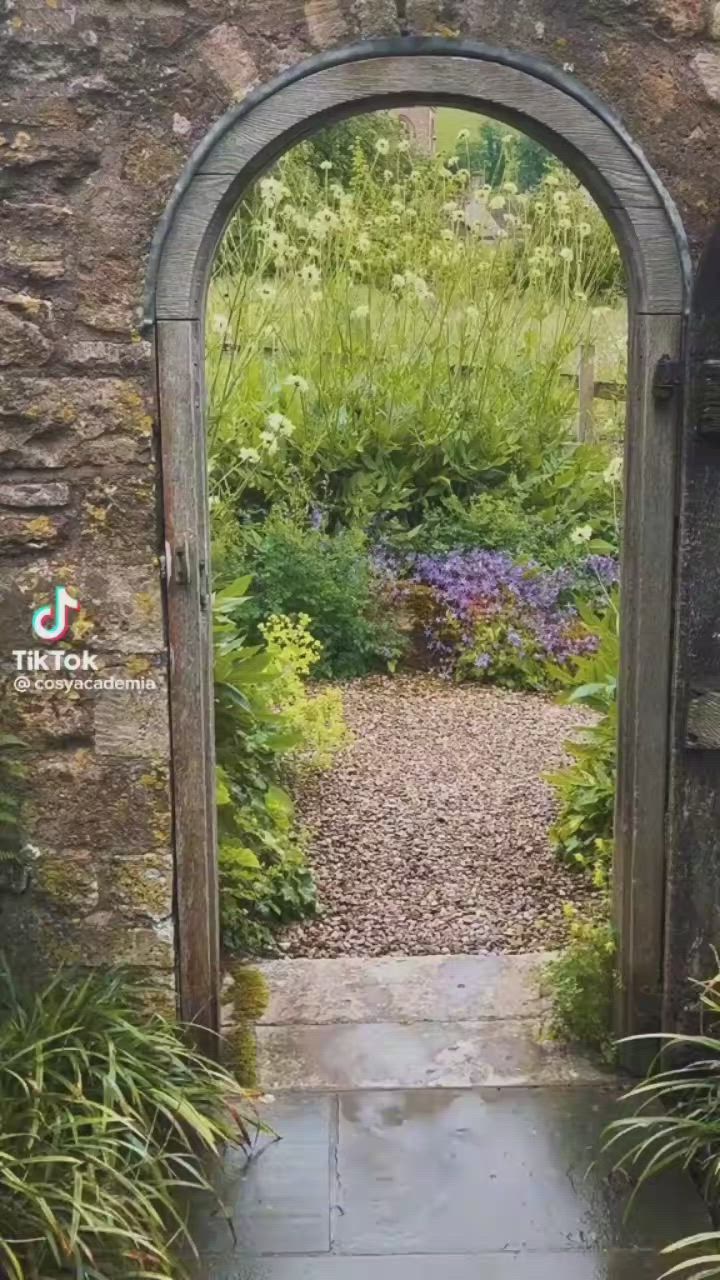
(51, 622)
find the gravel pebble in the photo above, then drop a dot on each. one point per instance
(429, 834)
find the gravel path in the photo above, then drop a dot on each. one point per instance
(429, 835)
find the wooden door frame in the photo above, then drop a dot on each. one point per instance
(564, 117)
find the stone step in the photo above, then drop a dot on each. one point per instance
(388, 1055)
(402, 989)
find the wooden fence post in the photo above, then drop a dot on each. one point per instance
(586, 393)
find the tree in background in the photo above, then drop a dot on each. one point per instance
(496, 155)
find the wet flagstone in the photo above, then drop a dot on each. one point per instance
(569, 1265)
(501, 1183)
(414, 1147)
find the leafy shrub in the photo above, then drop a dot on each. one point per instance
(329, 579)
(677, 1123)
(583, 831)
(581, 980)
(265, 726)
(106, 1117)
(264, 881)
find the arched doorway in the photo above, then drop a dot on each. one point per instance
(553, 109)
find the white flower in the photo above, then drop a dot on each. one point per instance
(613, 471)
(272, 191)
(397, 206)
(277, 423)
(452, 162)
(382, 146)
(361, 312)
(551, 179)
(410, 213)
(496, 202)
(310, 274)
(270, 441)
(326, 165)
(266, 291)
(463, 135)
(583, 533)
(220, 324)
(560, 197)
(249, 455)
(355, 266)
(398, 282)
(564, 224)
(566, 253)
(584, 229)
(403, 145)
(298, 382)
(447, 234)
(363, 243)
(511, 188)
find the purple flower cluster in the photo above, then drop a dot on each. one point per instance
(606, 569)
(474, 586)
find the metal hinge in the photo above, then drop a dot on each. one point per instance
(669, 376)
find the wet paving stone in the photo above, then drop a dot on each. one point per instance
(569, 1265)
(279, 1203)
(482, 1171)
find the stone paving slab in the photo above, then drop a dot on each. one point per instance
(404, 989)
(479, 1184)
(390, 1055)
(439, 1171)
(279, 1203)
(568, 1265)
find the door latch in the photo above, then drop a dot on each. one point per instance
(181, 557)
(668, 377)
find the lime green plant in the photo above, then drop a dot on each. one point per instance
(107, 1119)
(580, 980)
(582, 833)
(266, 726)
(317, 717)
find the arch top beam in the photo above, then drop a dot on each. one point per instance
(519, 90)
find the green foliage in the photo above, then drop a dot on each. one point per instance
(329, 579)
(265, 726)
(581, 980)
(13, 785)
(106, 1117)
(583, 831)
(371, 356)
(497, 154)
(677, 1124)
(318, 719)
(340, 145)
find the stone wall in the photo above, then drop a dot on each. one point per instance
(102, 102)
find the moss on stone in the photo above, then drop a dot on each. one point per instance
(68, 884)
(242, 1055)
(143, 887)
(250, 994)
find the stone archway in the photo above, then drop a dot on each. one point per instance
(555, 110)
